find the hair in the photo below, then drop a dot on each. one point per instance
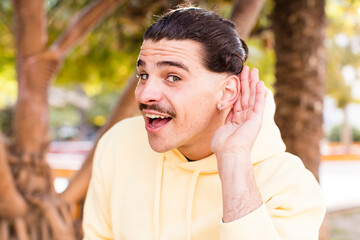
(224, 51)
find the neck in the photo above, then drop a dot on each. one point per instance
(200, 148)
(194, 153)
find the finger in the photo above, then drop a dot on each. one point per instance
(229, 117)
(260, 99)
(245, 92)
(237, 104)
(236, 116)
(254, 79)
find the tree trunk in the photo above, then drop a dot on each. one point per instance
(48, 217)
(300, 76)
(245, 14)
(12, 204)
(346, 134)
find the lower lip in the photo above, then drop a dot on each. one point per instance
(151, 129)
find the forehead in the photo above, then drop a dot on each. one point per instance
(189, 52)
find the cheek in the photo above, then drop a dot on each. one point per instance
(194, 108)
(201, 109)
(136, 92)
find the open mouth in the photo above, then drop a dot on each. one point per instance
(156, 121)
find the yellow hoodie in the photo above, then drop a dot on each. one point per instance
(136, 193)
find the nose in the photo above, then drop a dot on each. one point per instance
(148, 91)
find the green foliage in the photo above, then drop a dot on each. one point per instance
(99, 112)
(356, 134)
(342, 31)
(263, 58)
(8, 86)
(335, 134)
(6, 121)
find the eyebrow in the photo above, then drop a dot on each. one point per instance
(171, 63)
(140, 63)
(164, 63)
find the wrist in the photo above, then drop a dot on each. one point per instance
(239, 190)
(240, 203)
(233, 214)
(234, 168)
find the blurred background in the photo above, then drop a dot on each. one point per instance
(67, 75)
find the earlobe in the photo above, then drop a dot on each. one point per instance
(219, 106)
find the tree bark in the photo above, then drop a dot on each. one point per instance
(36, 67)
(30, 120)
(12, 204)
(300, 72)
(245, 14)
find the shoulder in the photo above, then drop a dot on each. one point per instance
(291, 195)
(126, 133)
(282, 170)
(122, 140)
(126, 128)
(126, 143)
(286, 174)
(283, 181)
(280, 165)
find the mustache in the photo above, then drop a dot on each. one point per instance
(157, 108)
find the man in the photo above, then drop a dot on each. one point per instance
(210, 163)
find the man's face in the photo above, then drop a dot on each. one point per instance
(177, 96)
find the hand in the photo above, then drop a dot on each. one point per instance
(245, 118)
(232, 144)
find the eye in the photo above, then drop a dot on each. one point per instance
(173, 78)
(143, 76)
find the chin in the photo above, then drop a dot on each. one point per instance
(159, 147)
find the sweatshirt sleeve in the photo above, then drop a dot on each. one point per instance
(294, 207)
(96, 220)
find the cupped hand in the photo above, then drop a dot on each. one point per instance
(237, 135)
(232, 144)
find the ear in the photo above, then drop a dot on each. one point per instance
(229, 92)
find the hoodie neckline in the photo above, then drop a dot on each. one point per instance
(205, 165)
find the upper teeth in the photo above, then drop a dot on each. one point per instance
(154, 116)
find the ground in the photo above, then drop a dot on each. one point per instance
(344, 225)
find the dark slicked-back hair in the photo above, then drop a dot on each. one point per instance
(224, 51)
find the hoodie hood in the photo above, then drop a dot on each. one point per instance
(267, 144)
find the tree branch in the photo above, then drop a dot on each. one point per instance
(245, 14)
(82, 23)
